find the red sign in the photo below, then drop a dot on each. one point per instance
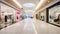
(18, 12)
(18, 15)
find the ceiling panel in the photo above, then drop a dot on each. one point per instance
(29, 1)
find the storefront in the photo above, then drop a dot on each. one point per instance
(7, 15)
(42, 15)
(53, 14)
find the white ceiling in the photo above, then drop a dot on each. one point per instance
(28, 5)
(35, 2)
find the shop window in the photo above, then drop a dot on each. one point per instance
(42, 16)
(6, 15)
(53, 14)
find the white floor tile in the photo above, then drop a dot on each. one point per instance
(31, 26)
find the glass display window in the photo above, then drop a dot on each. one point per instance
(7, 15)
(53, 14)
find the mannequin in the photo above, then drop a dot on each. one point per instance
(59, 19)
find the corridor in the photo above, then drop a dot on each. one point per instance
(29, 16)
(31, 26)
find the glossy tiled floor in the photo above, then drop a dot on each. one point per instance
(31, 26)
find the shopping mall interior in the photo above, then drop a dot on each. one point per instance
(29, 16)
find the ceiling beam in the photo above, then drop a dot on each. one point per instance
(42, 4)
(14, 3)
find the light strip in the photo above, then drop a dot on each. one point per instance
(40, 4)
(17, 3)
(47, 6)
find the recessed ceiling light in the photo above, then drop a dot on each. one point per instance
(29, 5)
(48, 1)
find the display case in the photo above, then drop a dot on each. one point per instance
(7, 15)
(53, 14)
(42, 16)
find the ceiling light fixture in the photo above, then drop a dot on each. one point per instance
(29, 5)
(48, 1)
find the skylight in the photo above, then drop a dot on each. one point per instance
(28, 5)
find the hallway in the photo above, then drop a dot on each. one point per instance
(31, 26)
(29, 16)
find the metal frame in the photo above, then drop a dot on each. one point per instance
(47, 13)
